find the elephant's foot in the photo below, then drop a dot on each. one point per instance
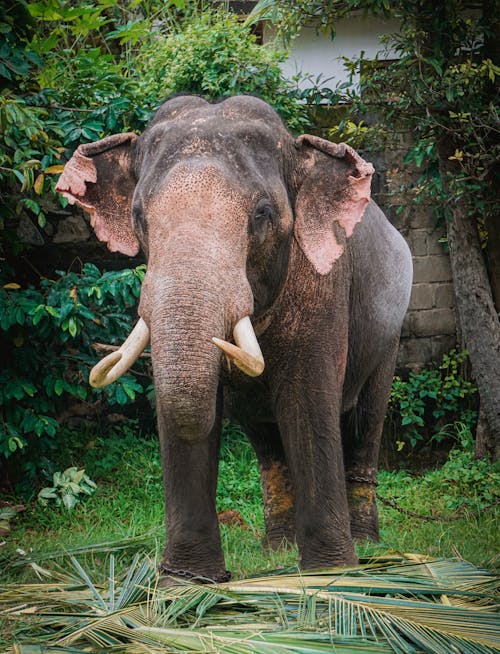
(280, 530)
(328, 555)
(363, 511)
(193, 556)
(325, 542)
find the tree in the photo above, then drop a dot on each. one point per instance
(443, 88)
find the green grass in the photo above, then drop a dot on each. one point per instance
(128, 506)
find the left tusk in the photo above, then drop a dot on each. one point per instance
(246, 354)
(117, 363)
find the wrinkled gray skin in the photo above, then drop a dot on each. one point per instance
(238, 218)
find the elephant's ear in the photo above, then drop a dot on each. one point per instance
(333, 189)
(100, 178)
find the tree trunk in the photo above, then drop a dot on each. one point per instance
(491, 18)
(493, 254)
(478, 317)
(485, 443)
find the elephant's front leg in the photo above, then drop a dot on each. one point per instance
(193, 547)
(308, 415)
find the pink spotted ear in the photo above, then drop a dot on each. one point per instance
(335, 190)
(99, 177)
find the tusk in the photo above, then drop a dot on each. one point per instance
(117, 363)
(246, 354)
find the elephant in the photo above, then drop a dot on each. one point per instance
(274, 294)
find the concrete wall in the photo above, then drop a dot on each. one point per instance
(430, 326)
(317, 54)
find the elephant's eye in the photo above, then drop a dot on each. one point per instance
(262, 220)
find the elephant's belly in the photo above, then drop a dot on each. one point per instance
(246, 401)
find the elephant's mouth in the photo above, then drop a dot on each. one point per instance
(246, 354)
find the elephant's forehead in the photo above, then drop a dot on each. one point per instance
(209, 132)
(234, 108)
(198, 182)
(243, 149)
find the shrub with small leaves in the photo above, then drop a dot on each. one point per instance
(422, 406)
(67, 489)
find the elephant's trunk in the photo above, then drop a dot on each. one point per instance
(186, 371)
(186, 304)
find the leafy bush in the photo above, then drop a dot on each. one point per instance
(463, 482)
(429, 400)
(67, 488)
(48, 334)
(216, 55)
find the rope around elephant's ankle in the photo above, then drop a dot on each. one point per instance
(193, 576)
(457, 515)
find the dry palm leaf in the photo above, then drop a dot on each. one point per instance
(397, 604)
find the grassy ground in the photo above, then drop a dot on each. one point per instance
(128, 505)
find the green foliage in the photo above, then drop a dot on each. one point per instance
(216, 55)
(467, 481)
(428, 401)
(445, 94)
(68, 91)
(15, 60)
(239, 477)
(67, 488)
(463, 483)
(8, 513)
(48, 333)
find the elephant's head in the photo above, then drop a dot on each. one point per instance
(215, 194)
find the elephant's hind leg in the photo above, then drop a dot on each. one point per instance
(277, 489)
(361, 435)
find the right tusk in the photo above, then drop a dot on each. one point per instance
(246, 354)
(117, 363)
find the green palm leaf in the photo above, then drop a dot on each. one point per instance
(401, 604)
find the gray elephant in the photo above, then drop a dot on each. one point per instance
(274, 286)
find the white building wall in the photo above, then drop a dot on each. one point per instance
(315, 53)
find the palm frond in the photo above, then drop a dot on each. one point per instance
(404, 604)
